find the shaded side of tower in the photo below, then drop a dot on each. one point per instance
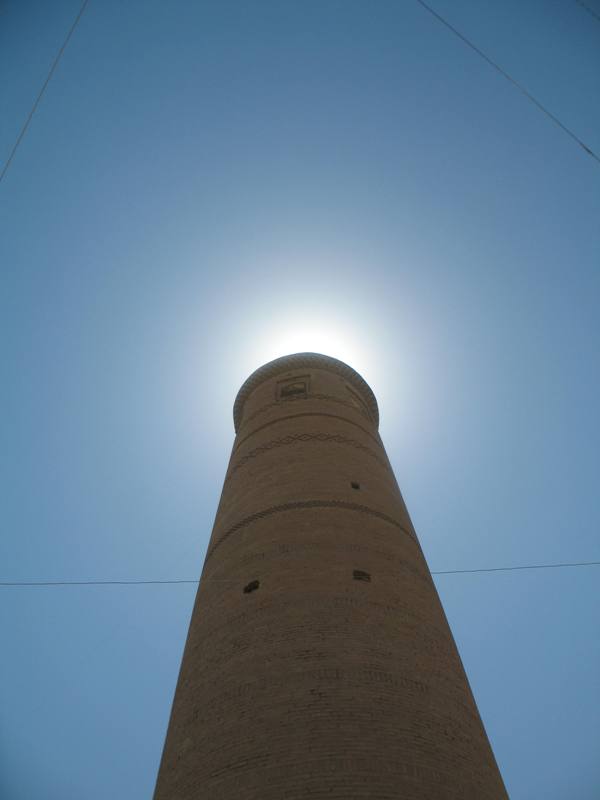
(319, 662)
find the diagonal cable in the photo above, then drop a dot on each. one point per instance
(510, 569)
(588, 9)
(234, 580)
(505, 74)
(42, 90)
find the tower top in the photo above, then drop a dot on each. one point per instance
(302, 361)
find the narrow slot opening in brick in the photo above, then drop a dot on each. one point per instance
(361, 575)
(251, 587)
(355, 484)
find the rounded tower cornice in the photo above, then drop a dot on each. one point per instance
(304, 361)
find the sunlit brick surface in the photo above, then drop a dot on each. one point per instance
(317, 684)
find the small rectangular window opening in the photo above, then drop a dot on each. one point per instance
(361, 575)
(355, 484)
(293, 389)
(251, 587)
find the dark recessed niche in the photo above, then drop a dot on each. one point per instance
(361, 575)
(293, 388)
(251, 587)
(355, 484)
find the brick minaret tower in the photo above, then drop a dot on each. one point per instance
(319, 662)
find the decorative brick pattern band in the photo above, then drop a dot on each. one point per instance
(312, 396)
(267, 512)
(306, 414)
(295, 438)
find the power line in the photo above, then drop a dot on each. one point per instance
(505, 74)
(510, 569)
(428, 8)
(92, 583)
(232, 580)
(42, 90)
(588, 9)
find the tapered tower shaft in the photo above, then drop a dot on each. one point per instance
(319, 662)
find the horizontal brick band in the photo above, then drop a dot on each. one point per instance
(267, 512)
(299, 399)
(307, 414)
(296, 438)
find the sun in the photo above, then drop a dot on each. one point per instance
(310, 335)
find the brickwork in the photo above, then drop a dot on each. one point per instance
(319, 662)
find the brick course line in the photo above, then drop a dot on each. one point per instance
(308, 414)
(267, 512)
(294, 438)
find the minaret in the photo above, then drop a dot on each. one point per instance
(319, 662)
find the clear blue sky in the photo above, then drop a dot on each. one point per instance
(202, 181)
